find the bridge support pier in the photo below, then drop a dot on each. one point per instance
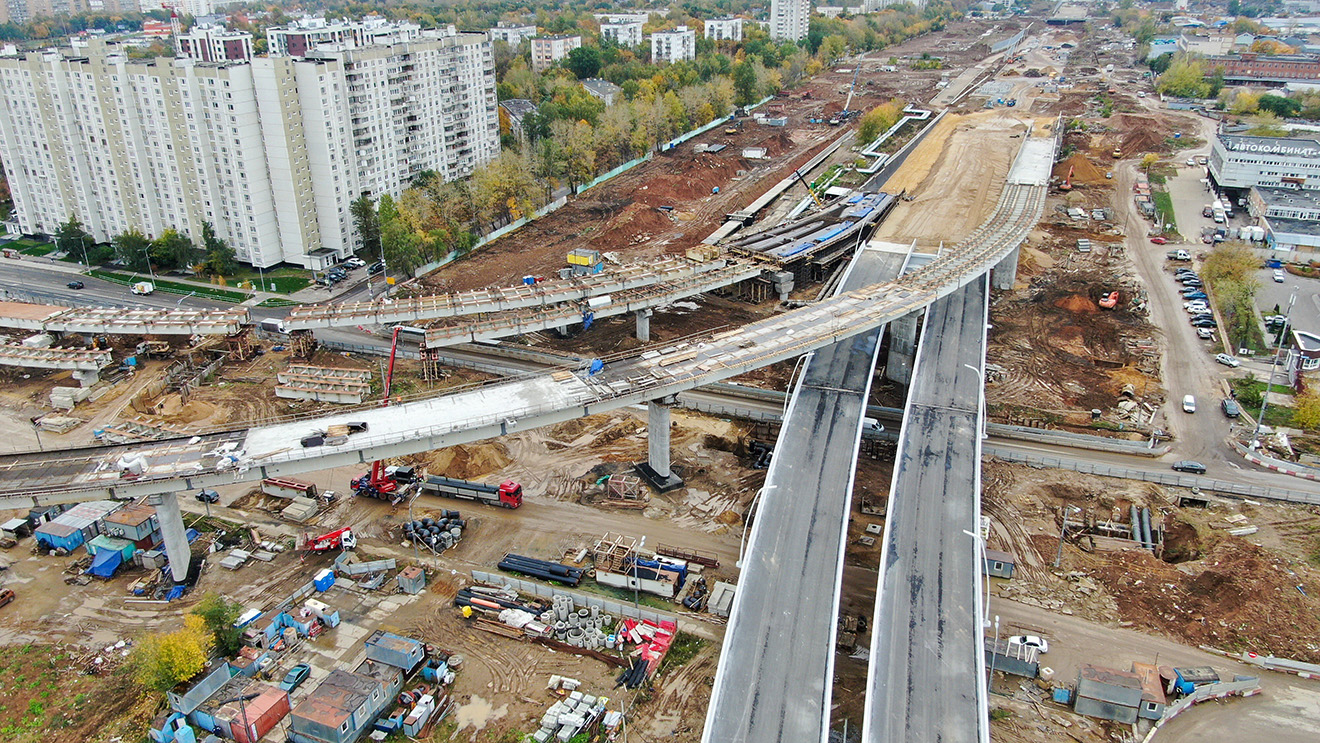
(87, 378)
(656, 470)
(643, 325)
(176, 536)
(1005, 272)
(902, 348)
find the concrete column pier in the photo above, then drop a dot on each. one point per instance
(656, 470)
(643, 325)
(1005, 272)
(902, 348)
(172, 528)
(87, 378)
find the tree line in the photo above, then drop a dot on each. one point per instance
(137, 252)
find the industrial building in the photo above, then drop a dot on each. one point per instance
(1289, 216)
(271, 151)
(1265, 69)
(1239, 162)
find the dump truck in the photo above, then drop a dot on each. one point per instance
(508, 495)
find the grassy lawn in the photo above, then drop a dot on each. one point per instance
(1248, 395)
(170, 287)
(1164, 207)
(277, 302)
(28, 246)
(278, 280)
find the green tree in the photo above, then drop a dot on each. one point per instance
(367, 225)
(584, 62)
(401, 245)
(220, 258)
(131, 249)
(832, 49)
(878, 120)
(72, 238)
(162, 661)
(1185, 78)
(220, 616)
(1306, 410)
(1284, 108)
(173, 249)
(744, 83)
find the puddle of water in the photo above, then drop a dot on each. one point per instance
(477, 713)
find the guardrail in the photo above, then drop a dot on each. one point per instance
(1162, 478)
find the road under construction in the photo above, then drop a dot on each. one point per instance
(161, 470)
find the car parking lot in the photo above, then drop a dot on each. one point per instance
(1306, 310)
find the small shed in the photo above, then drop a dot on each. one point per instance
(721, 599)
(1152, 691)
(261, 715)
(136, 523)
(401, 652)
(1015, 658)
(998, 564)
(53, 536)
(16, 528)
(412, 579)
(102, 542)
(1187, 679)
(1108, 694)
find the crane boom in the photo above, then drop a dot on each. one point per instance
(847, 105)
(819, 204)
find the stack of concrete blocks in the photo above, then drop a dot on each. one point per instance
(567, 717)
(581, 628)
(300, 510)
(64, 398)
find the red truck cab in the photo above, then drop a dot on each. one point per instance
(510, 494)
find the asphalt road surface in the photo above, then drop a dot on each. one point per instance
(776, 670)
(923, 676)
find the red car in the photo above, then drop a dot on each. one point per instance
(1159, 240)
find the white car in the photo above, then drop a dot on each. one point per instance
(1189, 403)
(1205, 333)
(1196, 307)
(1278, 276)
(1228, 360)
(355, 262)
(1030, 641)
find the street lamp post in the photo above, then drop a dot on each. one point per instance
(981, 396)
(1265, 396)
(980, 544)
(1063, 531)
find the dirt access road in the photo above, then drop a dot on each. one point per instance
(1287, 711)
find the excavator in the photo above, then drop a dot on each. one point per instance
(1109, 301)
(343, 538)
(1067, 181)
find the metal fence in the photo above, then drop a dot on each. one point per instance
(1162, 478)
(608, 606)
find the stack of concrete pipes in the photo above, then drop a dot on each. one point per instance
(581, 628)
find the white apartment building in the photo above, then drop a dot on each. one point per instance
(638, 17)
(511, 33)
(546, 50)
(724, 29)
(193, 8)
(788, 19)
(271, 151)
(623, 32)
(214, 44)
(309, 32)
(674, 46)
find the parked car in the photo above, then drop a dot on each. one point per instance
(208, 496)
(1205, 333)
(1160, 240)
(1189, 403)
(1030, 641)
(355, 263)
(7, 596)
(1278, 276)
(375, 268)
(1204, 322)
(295, 676)
(75, 284)
(1188, 465)
(1231, 408)
(1228, 360)
(1194, 295)
(1192, 282)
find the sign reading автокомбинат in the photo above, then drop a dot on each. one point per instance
(1272, 146)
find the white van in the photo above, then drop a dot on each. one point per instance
(871, 425)
(1189, 404)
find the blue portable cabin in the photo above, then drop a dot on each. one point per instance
(53, 535)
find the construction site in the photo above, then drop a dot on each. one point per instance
(559, 572)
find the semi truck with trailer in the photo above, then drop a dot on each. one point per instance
(509, 494)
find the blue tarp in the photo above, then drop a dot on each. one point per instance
(174, 593)
(193, 534)
(106, 563)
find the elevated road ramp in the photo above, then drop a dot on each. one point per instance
(117, 320)
(55, 358)
(775, 674)
(926, 682)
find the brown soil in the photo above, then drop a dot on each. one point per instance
(1083, 171)
(466, 461)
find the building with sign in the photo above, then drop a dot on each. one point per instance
(1238, 163)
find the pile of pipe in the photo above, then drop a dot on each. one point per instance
(543, 569)
(492, 599)
(581, 628)
(437, 534)
(633, 677)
